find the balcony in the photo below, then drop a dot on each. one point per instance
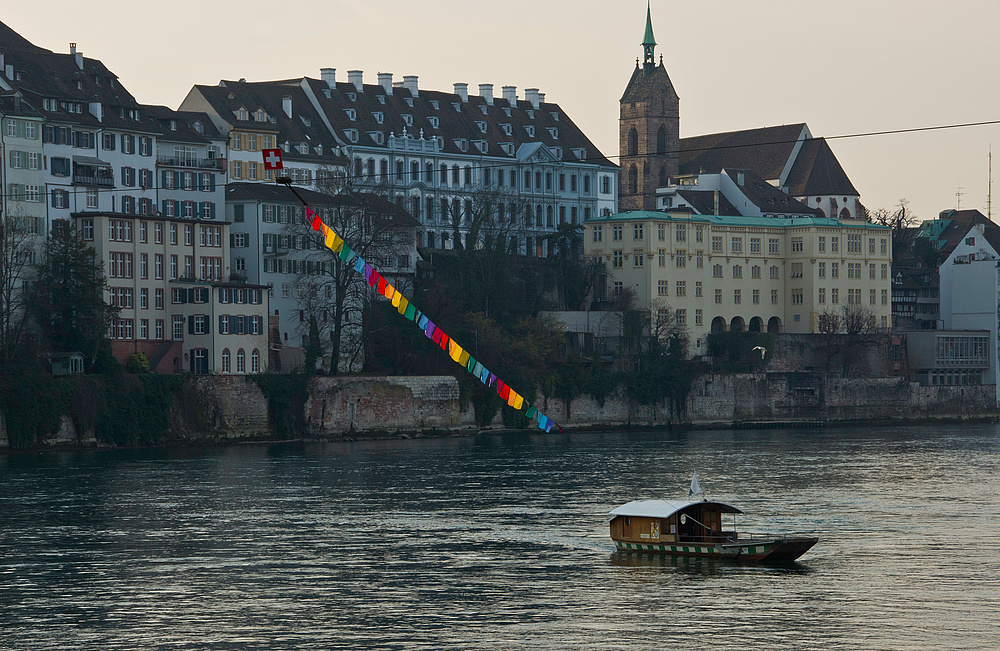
(192, 163)
(101, 180)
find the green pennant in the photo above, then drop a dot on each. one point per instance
(531, 412)
(411, 313)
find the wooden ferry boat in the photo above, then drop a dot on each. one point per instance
(695, 527)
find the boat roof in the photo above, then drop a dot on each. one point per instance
(666, 508)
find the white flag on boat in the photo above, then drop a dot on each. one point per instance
(695, 486)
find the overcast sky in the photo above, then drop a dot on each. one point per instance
(843, 67)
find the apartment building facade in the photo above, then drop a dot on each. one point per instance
(713, 272)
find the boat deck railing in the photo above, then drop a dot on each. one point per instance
(729, 537)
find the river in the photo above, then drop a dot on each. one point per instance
(501, 542)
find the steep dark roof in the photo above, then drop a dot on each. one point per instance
(457, 120)
(703, 202)
(642, 87)
(962, 221)
(766, 197)
(818, 172)
(305, 126)
(179, 126)
(766, 151)
(273, 192)
(43, 74)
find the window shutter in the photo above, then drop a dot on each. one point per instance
(232, 240)
(212, 207)
(190, 295)
(222, 323)
(191, 325)
(211, 186)
(177, 208)
(178, 179)
(232, 326)
(208, 325)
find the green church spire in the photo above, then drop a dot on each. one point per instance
(648, 43)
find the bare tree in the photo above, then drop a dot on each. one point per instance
(329, 290)
(848, 334)
(495, 221)
(19, 235)
(904, 224)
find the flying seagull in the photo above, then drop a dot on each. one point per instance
(763, 351)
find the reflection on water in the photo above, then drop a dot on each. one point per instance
(501, 542)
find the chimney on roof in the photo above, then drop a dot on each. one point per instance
(356, 77)
(385, 81)
(510, 94)
(410, 84)
(531, 94)
(328, 76)
(716, 197)
(541, 98)
(462, 90)
(486, 92)
(76, 55)
(286, 105)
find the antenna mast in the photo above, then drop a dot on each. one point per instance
(989, 187)
(959, 194)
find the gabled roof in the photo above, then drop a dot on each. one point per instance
(304, 127)
(961, 222)
(766, 151)
(817, 172)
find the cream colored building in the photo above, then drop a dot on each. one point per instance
(764, 274)
(170, 279)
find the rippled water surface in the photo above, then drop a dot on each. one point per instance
(501, 543)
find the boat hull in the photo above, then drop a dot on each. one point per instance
(770, 550)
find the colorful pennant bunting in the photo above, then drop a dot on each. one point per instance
(335, 243)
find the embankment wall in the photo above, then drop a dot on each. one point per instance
(211, 410)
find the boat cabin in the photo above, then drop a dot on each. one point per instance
(673, 521)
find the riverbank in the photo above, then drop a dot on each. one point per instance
(230, 409)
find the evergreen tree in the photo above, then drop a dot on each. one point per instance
(68, 301)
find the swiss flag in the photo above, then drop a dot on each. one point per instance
(272, 159)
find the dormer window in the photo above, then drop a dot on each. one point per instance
(241, 113)
(457, 106)
(199, 127)
(580, 153)
(377, 136)
(531, 114)
(173, 125)
(558, 151)
(305, 121)
(352, 96)
(554, 132)
(435, 122)
(303, 148)
(482, 126)
(408, 119)
(531, 130)
(462, 144)
(352, 115)
(555, 115)
(483, 109)
(381, 99)
(379, 117)
(506, 111)
(260, 115)
(351, 134)
(507, 147)
(436, 105)
(481, 146)
(508, 129)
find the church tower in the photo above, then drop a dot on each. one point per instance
(649, 145)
